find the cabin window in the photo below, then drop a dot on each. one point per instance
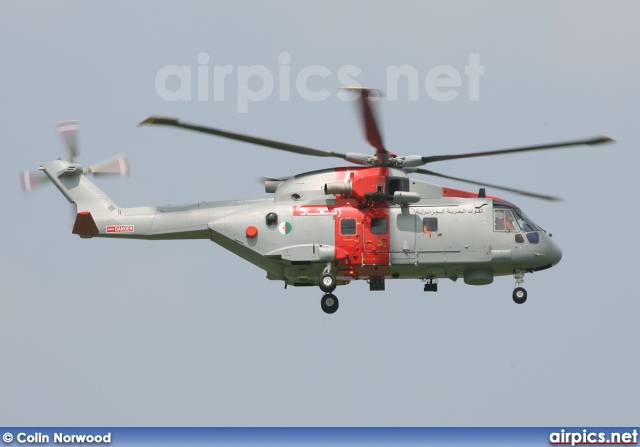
(504, 220)
(379, 225)
(348, 227)
(429, 224)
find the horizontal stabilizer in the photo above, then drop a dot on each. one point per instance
(85, 226)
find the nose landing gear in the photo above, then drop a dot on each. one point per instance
(519, 293)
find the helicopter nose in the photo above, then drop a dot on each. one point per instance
(555, 254)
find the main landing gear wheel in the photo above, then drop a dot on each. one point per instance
(329, 303)
(328, 282)
(519, 295)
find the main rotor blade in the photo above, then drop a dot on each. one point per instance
(371, 126)
(371, 129)
(590, 142)
(504, 188)
(242, 137)
(68, 130)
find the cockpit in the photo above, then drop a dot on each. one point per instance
(509, 218)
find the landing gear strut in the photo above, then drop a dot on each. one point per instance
(519, 293)
(329, 303)
(431, 285)
(328, 281)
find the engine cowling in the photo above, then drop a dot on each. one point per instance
(342, 188)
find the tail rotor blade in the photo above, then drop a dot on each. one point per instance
(118, 165)
(265, 178)
(68, 130)
(30, 180)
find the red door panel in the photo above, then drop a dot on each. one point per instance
(375, 234)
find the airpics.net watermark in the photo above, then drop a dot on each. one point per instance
(255, 83)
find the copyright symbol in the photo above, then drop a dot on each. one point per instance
(7, 437)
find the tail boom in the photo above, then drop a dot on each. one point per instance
(99, 216)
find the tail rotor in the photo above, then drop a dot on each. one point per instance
(118, 165)
(68, 130)
(30, 180)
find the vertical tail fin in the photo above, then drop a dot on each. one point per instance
(69, 178)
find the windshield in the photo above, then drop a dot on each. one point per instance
(525, 222)
(507, 218)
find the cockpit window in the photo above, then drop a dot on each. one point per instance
(504, 220)
(525, 223)
(512, 219)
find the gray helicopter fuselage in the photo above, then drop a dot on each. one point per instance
(363, 231)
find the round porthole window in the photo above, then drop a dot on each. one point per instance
(271, 219)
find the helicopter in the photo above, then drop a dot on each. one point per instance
(368, 221)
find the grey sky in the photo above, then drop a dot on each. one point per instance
(100, 332)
